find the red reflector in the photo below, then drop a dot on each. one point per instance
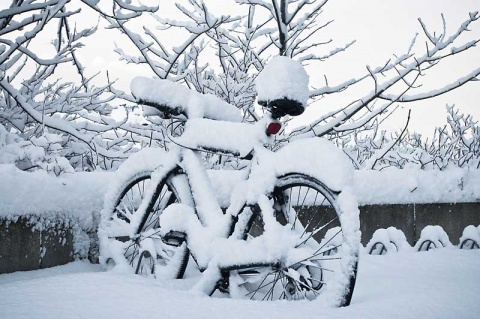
(273, 128)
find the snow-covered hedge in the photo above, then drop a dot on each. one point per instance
(40, 195)
(403, 186)
(80, 195)
(43, 201)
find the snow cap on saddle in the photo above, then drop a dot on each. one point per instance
(282, 86)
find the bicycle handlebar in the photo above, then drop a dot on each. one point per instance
(172, 98)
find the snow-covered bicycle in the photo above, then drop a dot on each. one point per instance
(284, 227)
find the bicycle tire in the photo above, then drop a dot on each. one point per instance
(309, 278)
(469, 244)
(146, 245)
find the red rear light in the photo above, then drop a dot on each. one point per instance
(273, 128)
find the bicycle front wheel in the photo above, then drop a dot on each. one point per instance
(144, 252)
(324, 261)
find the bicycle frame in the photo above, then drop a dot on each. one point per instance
(208, 213)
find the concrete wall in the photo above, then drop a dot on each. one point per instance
(22, 247)
(452, 217)
(412, 218)
(373, 217)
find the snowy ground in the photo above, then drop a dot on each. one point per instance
(436, 284)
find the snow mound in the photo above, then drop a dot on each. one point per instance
(392, 239)
(442, 284)
(470, 233)
(432, 235)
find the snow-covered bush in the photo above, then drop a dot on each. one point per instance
(55, 120)
(386, 241)
(432, 237)
(52, 123)
(456, 144)
(43, 152)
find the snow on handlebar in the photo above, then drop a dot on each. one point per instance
(174, 99)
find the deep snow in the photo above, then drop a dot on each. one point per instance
(436, 284)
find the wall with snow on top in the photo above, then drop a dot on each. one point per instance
(40, 196)
(59, 215)
(82, 194)
(409, 186)
(46, 220)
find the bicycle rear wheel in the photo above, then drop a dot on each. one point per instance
(326, 265)
(143, 251)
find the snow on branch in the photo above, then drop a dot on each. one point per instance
(243, 45)
(405, 70)
(59, 125)
(456, 144)
(165, 62)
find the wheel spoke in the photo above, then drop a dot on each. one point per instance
(142, 261)
(296, 215)
(314, 215)
(319, 267)
(311, 211)
(260, 286)
(270, 291)
(316, 231)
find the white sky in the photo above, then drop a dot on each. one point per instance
(385, 27)
(381, 28)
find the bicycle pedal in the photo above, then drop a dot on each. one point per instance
(223, 284)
